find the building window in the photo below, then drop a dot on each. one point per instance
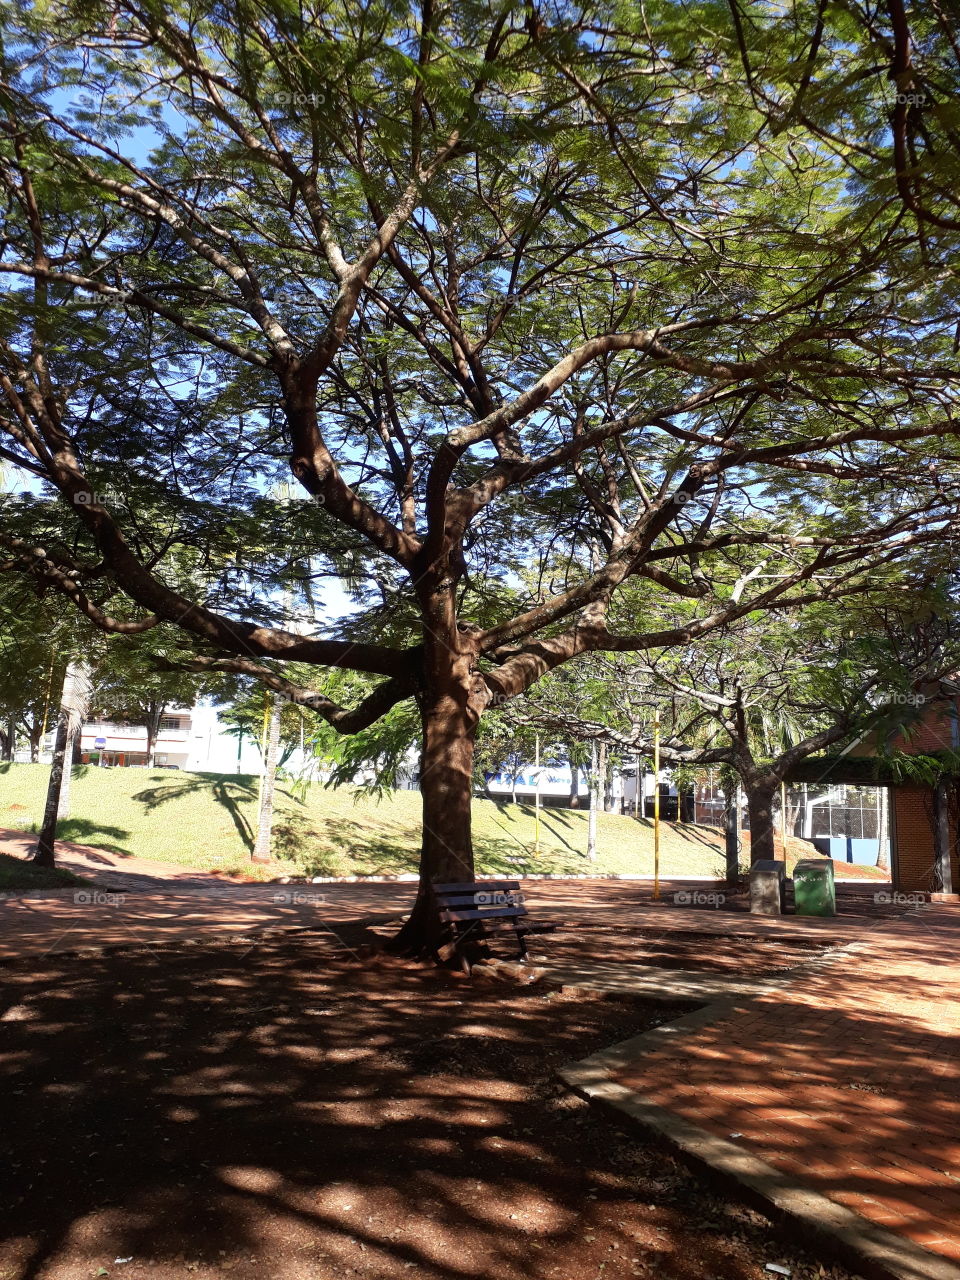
(169, 722)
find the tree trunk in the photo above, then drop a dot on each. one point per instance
(66, 780)
(73, 708)
(941, 837)
(574, 780)
(77, 706)
(153, 731)
(69, 760)
(592, 813)
(760, 808)
(731, 833)
(883, 853)
(449, 724)
(10, 740)
(44, 852)
(268, 782)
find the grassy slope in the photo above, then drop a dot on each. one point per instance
(207, 820)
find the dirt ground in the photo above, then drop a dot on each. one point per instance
(280, 1110)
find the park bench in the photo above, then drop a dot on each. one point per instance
(473, 911)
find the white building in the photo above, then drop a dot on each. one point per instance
(190, 738)
(553, 783)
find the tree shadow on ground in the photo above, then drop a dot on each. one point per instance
(387, 850)
(97, 834)
(228, 792)
(552, 821)
(279, 1111)
(343, 842)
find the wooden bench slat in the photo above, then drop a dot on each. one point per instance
(494, 913)
(478, 886)
(501, 898)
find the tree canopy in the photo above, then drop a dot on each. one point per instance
(533, 304)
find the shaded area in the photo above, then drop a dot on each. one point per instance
(168, 903)
(280, 1111)
(104, 836)
(19, 876)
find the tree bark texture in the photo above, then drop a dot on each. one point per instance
(268, 783)
(760, 808)
(73, 708)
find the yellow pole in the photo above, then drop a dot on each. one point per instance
(656, 806)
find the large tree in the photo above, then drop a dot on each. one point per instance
(532, 307)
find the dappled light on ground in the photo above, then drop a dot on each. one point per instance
(278, 1110)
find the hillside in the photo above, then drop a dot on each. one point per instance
(208, 820)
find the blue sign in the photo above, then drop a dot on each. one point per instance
(99, 743)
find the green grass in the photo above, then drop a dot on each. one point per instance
(208, 821)
(17, 876)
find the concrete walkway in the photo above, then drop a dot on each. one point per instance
(846, 1077)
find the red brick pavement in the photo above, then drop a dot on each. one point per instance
(159, 902)
(847, 1077)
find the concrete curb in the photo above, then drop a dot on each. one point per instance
(851, 1238)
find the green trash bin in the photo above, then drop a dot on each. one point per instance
(814, 891)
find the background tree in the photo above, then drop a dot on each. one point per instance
(27, 682)
(250, 711)
(133, 686)
(74, 703)
(521, 301)
(506, 746)
(766, 693)
(37, 636)
(268, 779)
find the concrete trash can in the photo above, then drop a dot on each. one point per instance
(814, 890)
(768, 888)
